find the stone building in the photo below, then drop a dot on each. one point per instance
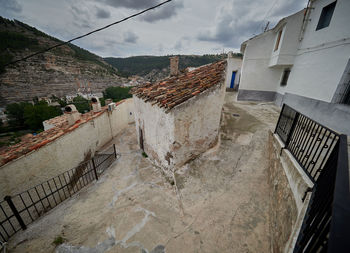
(178, 118)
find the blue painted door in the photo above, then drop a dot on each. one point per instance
(233, 79)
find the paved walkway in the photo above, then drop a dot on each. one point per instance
(221, 205)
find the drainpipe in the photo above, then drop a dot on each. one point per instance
(305, 19)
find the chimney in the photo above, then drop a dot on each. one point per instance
(96, 105)
(174, 66)
(72, 114)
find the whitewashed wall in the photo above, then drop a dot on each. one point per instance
(290, 26)
(322, 55)
(197, 123)
(234, 64)
(157, 127)
(256, 74)
(64, 153)
(171, 139)
(262, 66)
(317, 62)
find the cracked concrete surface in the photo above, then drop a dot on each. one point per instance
(132, 208)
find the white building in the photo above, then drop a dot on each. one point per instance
(233, 73)
(178, 118)
(303, 62)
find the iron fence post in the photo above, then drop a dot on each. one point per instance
(94, 166)
(8, 199)
(291, 131)
(279, 118)
(115, 151)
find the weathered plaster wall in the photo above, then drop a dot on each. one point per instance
(197, 123)
(64, 153)
(288, 185)
(173, 138)
(122, 116)
(157, 128)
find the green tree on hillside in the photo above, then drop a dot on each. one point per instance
(27, 115)
(117, 93)
(82, 104)
(15, 113)
(34, 115)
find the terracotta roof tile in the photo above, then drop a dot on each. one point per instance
(173, 91)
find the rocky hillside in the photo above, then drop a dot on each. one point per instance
(59, 72)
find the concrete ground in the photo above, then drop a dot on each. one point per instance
(220, 205)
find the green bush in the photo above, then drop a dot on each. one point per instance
(117, 93)
(14, 40)
(34, 115)
(58, 240)
(103, 102)
(15, 113)
(26, 115)
(82, 104)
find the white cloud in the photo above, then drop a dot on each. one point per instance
(180, 27)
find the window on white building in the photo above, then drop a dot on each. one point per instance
(279, 35)
(285, 77)
(326, 16)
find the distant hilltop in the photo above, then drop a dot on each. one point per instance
(58, 72)
(70, 69)
(148, 66)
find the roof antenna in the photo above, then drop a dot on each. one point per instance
(267, 26)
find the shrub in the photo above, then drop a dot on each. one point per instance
(117, 93)
(58, 240)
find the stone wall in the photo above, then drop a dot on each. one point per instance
(64, 153)
(288, 185)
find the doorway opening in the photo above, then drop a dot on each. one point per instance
(233, 79)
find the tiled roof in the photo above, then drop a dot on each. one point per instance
(57, 121)
(29, 142)
(175, 90)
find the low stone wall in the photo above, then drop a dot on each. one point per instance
(65, 152)
(288, 186)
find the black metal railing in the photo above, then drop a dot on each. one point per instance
(309, 142)
(18, 211)
(323, 155)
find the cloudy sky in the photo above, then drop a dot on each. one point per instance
(179, 27)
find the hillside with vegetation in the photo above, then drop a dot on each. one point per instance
(58, 72)
(144, 65)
